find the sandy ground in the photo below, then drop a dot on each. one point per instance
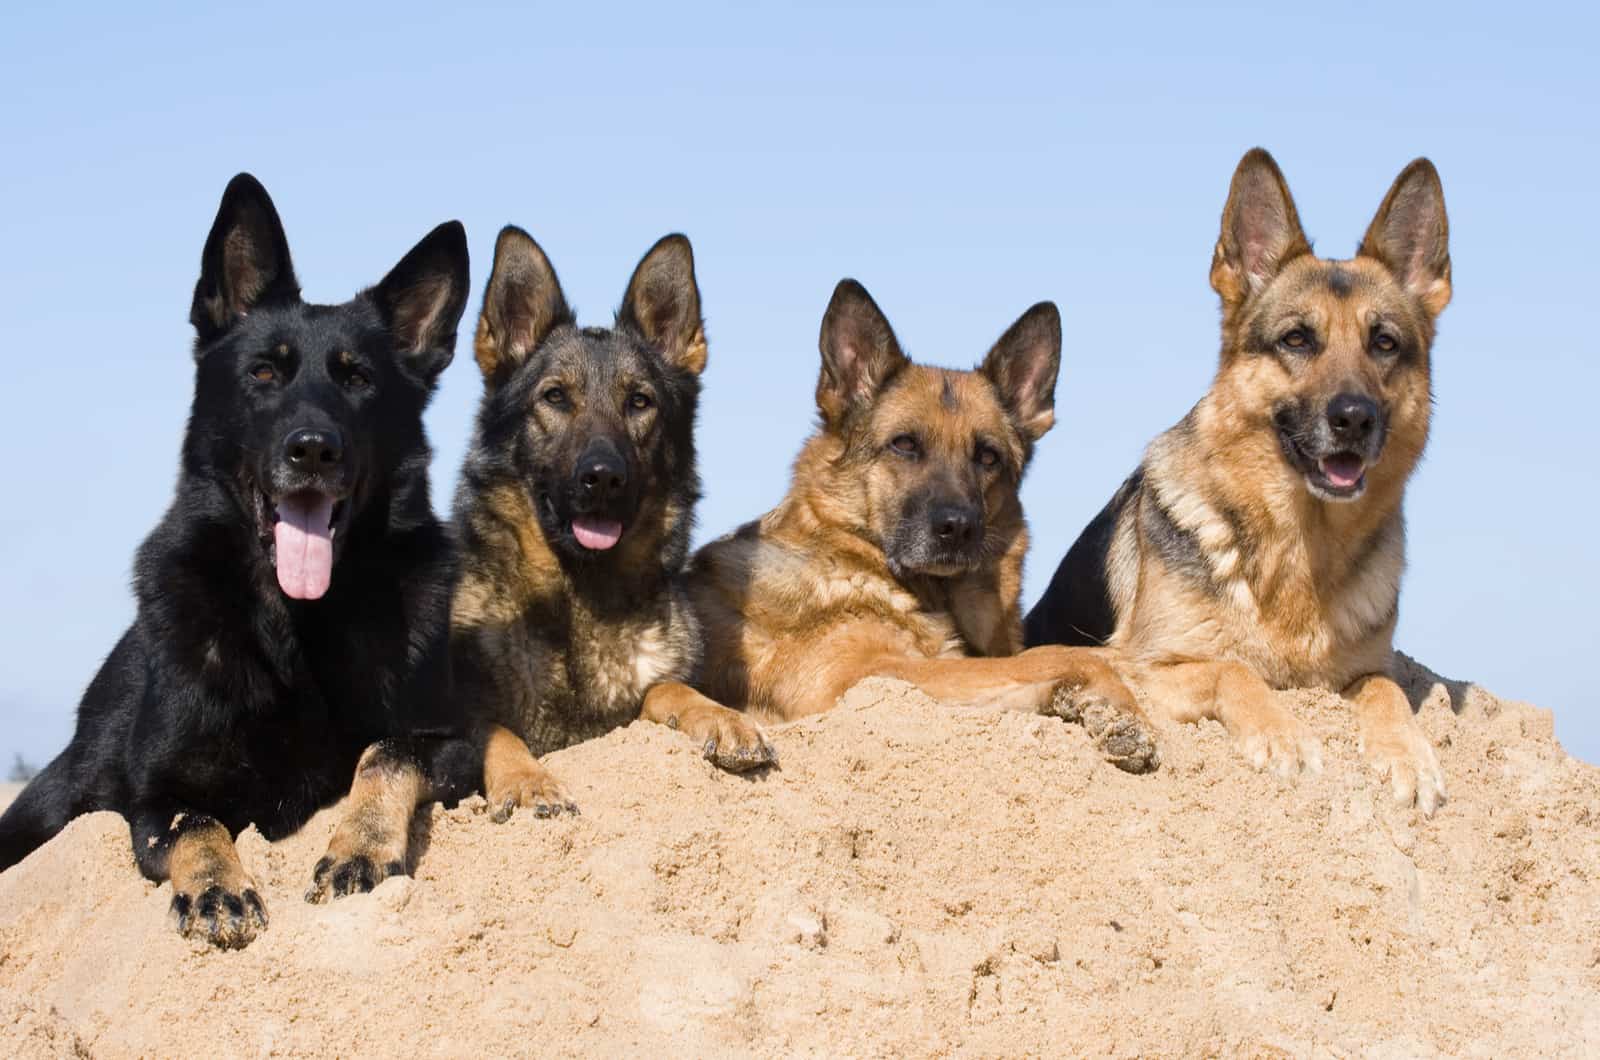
(916, 880)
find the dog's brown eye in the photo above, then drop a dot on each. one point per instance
(263, 373)
(1296, 339)
(905, 445)
(1385, 344)
(640, 402)
(555, 396)
(987, 457)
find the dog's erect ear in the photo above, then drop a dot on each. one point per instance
(663, 303)
(522, 303)
(245, 262)
(1411, 235)
(1023, 366)
(422, 298)
(859, 352)
(1260, 230)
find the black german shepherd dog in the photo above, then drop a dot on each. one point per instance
(293, 603)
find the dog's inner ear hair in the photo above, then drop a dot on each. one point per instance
(1023, 365)
(860, 353)
(521, 305)
(1260, 230)
(422, 298)
(245, 262)
(662, 303)
(1411, 235)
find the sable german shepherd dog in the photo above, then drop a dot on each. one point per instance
(1261, 542)
(574, 511)
(898, 550)
(293, 601)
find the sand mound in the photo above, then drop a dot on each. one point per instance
(917, 879)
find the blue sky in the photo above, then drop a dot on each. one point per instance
(961, 161)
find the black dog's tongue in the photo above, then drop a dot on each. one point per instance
(305, 545)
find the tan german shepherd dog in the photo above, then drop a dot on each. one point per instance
(898, 549)
(1261, 542)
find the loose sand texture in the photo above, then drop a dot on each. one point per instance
(915, 880)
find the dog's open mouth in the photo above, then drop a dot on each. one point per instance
(303, 526)
(1340, 475)
(596, 533)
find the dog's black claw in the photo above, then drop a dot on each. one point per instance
(182, 911)
(572, 808)
(255, 907)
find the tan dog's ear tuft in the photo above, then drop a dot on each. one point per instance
(859, 352)
(1260, 230)
(1411, 235)
(1023, 367)
(521, 305)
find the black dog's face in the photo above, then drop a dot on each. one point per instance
(596, 422)
(304, 412)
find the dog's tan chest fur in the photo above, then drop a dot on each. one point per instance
(1300, 602)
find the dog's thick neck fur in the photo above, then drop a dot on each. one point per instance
(1220, 506)
(983, 604)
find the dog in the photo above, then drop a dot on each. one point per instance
(293, 602)
(898, 549)
(574, 509)
(1260, 544)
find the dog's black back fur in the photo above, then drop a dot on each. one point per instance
(226, 696)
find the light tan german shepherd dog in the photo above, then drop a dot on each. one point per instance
(898, 549)
(1260, 545)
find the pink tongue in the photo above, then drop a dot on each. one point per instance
(305, 545)
(598, 534)
(1342, 471)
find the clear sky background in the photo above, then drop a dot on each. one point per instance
(961, 161)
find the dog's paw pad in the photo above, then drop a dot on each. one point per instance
(1412, 767)
(1123, 735)
(225, 918)
(739, 746)
(539, 792)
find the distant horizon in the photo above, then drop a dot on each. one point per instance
(962, 165)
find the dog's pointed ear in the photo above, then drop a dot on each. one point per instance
(521, 305)
(1411, 235)
(859, 352)
(422, 298)
(1023, 366)
(1260, 230)
(245, 262)
(663, 303)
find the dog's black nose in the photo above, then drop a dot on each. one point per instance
(1352, 418)
(311, 449)
(955, 525)
(602, 475)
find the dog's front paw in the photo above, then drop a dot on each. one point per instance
(1273, 739)
(730, 740)
(528, 785)
(1403, 754)
(1113, 720)
(339, 876)
(228, 917)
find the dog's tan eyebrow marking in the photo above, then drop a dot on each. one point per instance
(283, 349)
